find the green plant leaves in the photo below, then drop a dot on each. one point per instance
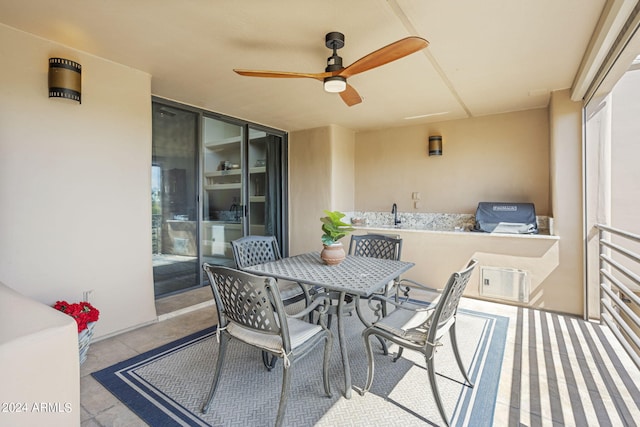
(333, 227)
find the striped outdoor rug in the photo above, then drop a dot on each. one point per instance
(167, 386)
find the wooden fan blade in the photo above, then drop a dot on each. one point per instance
(282, 74)
(350, 96)
(384, 55)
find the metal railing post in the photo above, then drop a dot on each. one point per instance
(601, 266)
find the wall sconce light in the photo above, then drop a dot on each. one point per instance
(435, 145)
(64, 79)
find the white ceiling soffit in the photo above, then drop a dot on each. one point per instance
(620, 59)
(607, 38)
(485, 57)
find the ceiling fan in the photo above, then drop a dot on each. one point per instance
(335, 75)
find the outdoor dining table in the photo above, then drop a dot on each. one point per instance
(356, 276)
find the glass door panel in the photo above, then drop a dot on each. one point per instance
(223, 207)
(265, 180)
(173, 195)
(257, 181)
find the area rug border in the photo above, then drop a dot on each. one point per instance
(156, 408)
(123, 383)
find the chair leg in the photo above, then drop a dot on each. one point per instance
(434, 385)
(384, 309)
(399, 354)
(454, 344)
(329, 316)
(380, 308)
(269, 360)
(370, 363)
(286, 382)
(224, 339)
(328, 346)
(383, 345)
(307, 299)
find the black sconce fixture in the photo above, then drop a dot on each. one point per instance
(64, 79)
(435, 145)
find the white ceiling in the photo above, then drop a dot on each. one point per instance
(484, 57)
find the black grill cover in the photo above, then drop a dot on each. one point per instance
(502, 217)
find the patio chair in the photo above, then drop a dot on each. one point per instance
(250, 310)
(252, 250)
(420, 328)
(379, 246)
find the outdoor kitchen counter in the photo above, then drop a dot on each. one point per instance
(438, 252)
(389, 229)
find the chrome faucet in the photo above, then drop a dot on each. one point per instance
(394, 211)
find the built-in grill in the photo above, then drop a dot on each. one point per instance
(504, 217)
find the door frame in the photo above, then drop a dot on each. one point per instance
(283, 240)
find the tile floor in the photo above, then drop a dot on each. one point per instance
(552, 371)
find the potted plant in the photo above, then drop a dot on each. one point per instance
(86, 317)
(334, 229)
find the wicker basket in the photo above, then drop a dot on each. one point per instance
(84, 339)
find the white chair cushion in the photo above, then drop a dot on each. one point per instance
(406, 324)
(288, 289)
(412, 325)
(299, 332)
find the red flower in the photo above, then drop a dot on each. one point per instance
(83, 312)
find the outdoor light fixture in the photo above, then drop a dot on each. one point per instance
(64, 79)
(435, 145)
(335, 84)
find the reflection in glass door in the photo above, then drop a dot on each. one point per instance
(223, 206)
(174, 208)
(265, 184)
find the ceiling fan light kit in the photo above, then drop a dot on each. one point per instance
(335, 84)
(335, 76)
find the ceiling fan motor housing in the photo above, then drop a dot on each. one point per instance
(334, 41)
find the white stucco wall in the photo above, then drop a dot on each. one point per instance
(75, 210)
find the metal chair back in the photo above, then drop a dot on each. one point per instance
(445, 311)
(247, 300)
(376, 246)
(252, 250)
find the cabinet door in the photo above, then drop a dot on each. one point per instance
(223, 203)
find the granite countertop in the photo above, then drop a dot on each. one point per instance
(434, 222)
(390, 229)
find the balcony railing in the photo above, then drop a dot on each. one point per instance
(620, 287)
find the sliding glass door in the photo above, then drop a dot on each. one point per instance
(214, 179)
(223, 205)
(173, 196)
(242, 186)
